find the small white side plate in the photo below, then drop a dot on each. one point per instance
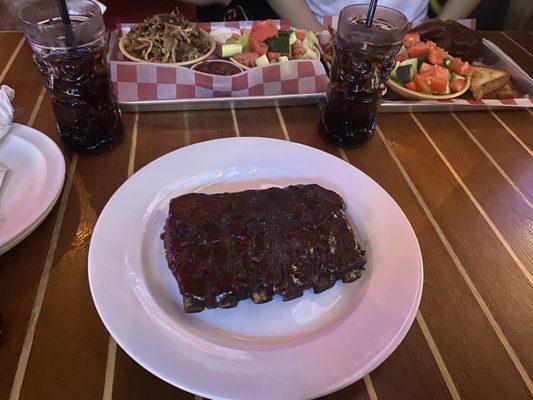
(32, 184)
(279, 350)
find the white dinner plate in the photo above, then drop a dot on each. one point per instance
(32, 184)
(299, 349)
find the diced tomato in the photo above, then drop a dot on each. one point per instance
(257, 46)
(425, 69)
(455, 64)
(301, 33)
(418, 49)
(462, 68)
(438, 84)
(246, 58)
(422, 83)
(411, 86)
(415, 36)
(298, 48)
(410, 39)
(468, 69)
(264, 30)
(399, 57)
(457, 85)
(235, 36)
(431, 45)
(436, 56)
(441, 72)
(407, 45)
(245, 31)
(434, 70)
(272, 55)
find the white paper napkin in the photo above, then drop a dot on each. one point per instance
(6, 109)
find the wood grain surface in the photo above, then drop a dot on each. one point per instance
(464, 180)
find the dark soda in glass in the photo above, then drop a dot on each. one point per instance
(364, 59)
(73, 62)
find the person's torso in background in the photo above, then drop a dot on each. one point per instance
(415, 10)
(126, 11)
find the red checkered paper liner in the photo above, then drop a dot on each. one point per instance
(134, 81)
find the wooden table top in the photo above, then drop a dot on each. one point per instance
(464, 180)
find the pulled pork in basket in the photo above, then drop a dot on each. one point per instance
(166, 38)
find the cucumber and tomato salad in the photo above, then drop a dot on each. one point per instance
(426, 68)
(264, 43)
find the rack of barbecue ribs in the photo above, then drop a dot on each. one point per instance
(227, 247)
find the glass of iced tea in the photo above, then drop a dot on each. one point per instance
(72, 59)
(364, 59)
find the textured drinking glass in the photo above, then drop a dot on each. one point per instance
(364, 59)
(72, 60)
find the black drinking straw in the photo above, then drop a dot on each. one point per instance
(371, 11)
(69, 33)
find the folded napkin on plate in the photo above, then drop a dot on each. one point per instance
(6, 109)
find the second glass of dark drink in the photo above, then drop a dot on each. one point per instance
(72, 59)
(364, 59)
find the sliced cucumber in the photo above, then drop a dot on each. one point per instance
(229, 50)
(410, 61)
(454, 76)
(393, 74)
(292, 38)
(287, 32)
(422, 59)
(278, 44)
(403, 51)
(406, 70)
(263, 60)
(404, 74)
